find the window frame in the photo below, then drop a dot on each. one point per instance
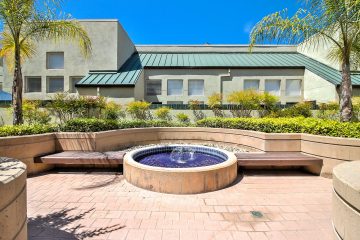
(48, 80)
(48, 54)
(273, 80)
(182, 87)
(300, 90)
(252, 80)
(27, 84)
(196, 80)
(147, 84)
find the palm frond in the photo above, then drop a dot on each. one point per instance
(27, 49)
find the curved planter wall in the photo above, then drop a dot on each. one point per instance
(332, 150)
(346, 201)
(13, 200)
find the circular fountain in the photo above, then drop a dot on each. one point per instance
(180, 169)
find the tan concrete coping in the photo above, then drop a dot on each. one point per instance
(346, 178)
(13, 199)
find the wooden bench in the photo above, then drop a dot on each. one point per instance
(244, 159)
(78, 157)
(278, 159)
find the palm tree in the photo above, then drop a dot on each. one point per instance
(320, 21)
(26, 22)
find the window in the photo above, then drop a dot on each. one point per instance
(55, 60)
(196, 87)
(55, 84)
(73, 82)
(175, 87)
(33, 84)
(175, 102)
(293, 87)
(273, 87)
(251, 84)
(153, 88)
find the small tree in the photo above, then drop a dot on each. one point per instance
(139, 109)
(194, 105)
(245, 102)
(183, 118)
(33, 114)
(215, 104)
(163, 113)
(113, 111)
(322, 21)
(268, 104)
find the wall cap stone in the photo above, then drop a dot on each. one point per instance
(346, 179)
(10, 169)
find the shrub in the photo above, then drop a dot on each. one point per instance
(302, 109)
(113, 111)
(356, 107)
(194, 105)
(268, 104)
(286, 125)
(65, 106)
(328, 111)
(215, 104)
(183, 118)
(163, 113)
(97, 125)
(139, 109)
(245, 102)
(20, 130)
(33, 114)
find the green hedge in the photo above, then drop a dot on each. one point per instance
(97, 125)
(9, 130)
(286, 125)
(268, 125)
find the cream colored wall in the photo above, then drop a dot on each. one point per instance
(111, 47)
(88, 91)
(317, 88)
(139, 90)
(118, 94)
(319, 52)
(219, 79)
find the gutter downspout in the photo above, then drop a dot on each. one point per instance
(223, 78)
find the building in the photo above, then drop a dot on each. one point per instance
(173, 74)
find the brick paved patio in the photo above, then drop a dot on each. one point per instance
(104, 206)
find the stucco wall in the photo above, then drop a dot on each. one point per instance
(317, 88)
(111, 47)
(217, 80)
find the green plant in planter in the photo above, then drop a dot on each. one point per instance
(139, 110)
(328, 110)
(245, 102)
(215, 104)
(356, 108)
(163, 113)
(194, 105)
(268, 104)
(183, 118)
(113, 111)
(32, 113)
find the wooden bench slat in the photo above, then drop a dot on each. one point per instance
(77, 157)
(276, 159)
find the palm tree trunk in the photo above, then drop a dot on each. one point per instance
(346, 108)
(17, 90)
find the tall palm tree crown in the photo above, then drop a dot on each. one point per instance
(320, 21)
(26, 22)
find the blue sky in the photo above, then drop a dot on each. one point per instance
(182, 21)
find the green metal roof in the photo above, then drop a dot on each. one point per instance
(129, 73)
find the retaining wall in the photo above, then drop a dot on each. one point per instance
(332, 150)
(346, 201)
(13, 220)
